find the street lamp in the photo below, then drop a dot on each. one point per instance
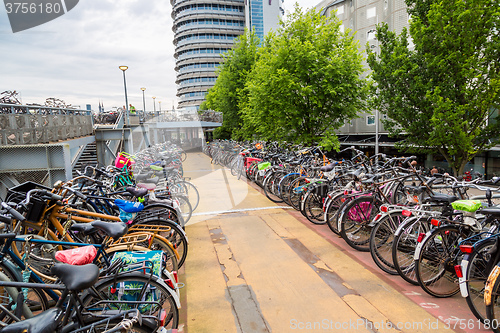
(143, 103)
(124, 68)
(154, 105)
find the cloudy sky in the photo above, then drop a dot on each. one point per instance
(76, 56)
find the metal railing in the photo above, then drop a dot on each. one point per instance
(33, 124)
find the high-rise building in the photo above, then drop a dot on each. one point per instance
(263, 15)
(203, 31)
(361, 16)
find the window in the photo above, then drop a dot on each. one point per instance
(371, 12)
(342, 28)
(340, 10)
(370, 120)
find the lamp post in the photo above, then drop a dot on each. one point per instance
(143, 104)
(154, 105)
(159, 112)
(124, 68)
(377, 115)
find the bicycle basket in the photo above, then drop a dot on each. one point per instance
(122, 160)
(130, 291)
(18, 193)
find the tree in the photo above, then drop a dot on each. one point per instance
(443, 95)
(228, 91)
(305, 83)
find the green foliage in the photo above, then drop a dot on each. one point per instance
(441, 94)
(305, 83)
(228, 91)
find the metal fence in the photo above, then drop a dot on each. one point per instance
(43, 164)
(21, 124)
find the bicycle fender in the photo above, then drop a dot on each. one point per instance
(463, 279)
(418, 249)
(172, 292)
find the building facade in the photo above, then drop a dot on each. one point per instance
(361, 17)
(263, 15)
(203, 31)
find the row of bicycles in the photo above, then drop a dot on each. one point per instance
(439, 232)
(88, 256)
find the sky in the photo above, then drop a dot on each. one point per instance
(76, 56)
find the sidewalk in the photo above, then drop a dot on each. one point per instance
(254, 266)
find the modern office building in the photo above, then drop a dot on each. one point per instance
(203, 31)
(263, 15)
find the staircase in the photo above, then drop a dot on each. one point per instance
(88, 157)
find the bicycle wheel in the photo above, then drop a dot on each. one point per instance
(35, 302)
(382, 238)
(296, 190)
(271, 187)
(332, 209)
(404, 245)
(284, 185)
(436, 259)
(132, 286)
(355, 221)
(475, 273)
(313, 208)
(175, 235)
(159, 211)
(106, 326)
(192, 193)
(492, 299)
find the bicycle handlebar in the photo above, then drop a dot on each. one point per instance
(18, 216)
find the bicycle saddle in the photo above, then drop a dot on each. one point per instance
(113, 229)
(328, 167)
(137, 192)
(45, 322)
(76, 278)
(441, 198)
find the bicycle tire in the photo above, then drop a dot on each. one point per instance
(104, 327)
(313, 208)
(332, 210)
(106, 289)
(191, 191)
(355, 221)
(284, 185)
(382, 238)
(295, 191)
(404, 245)
(492, 299)
(435, 261)
(475, 276)
(269, 186)
(176, 236)
(36, 302)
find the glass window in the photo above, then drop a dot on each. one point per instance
(371, 12)
(370, 120)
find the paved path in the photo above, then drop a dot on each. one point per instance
(254, 266)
